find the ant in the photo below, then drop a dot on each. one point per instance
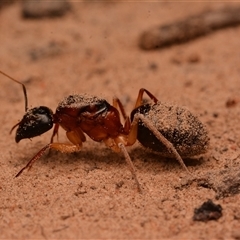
(170, 130)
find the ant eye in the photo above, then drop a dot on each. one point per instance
(100, 107)
(91, 111)
(35, 122)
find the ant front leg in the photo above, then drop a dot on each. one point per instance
(55, 132)
(62, 147)
(74, 136)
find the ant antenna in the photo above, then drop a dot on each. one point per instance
(23, 86)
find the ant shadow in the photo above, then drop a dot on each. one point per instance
(95, 156)
(154, 161)
(92, 154)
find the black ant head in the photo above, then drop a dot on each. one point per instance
(35, 122)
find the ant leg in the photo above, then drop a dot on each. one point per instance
(118, 104)
(130, 165)
(133, 131)
(117, 145)
(55, 132)
(34, 159)
(140, 97)
(62, 147)
(161, 138)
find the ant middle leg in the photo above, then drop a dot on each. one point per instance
(118, 104)
(119, 144)
(130, 165)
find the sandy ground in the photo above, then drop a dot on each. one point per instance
(91, 194)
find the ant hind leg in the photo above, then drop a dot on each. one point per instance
(161, 138)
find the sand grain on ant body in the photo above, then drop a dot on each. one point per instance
(178, 125)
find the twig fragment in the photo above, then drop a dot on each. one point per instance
(189, 28)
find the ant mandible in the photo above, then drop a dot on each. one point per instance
(77, 114)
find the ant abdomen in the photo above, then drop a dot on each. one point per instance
(178, 125)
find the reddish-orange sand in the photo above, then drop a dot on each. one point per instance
(94, 49)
